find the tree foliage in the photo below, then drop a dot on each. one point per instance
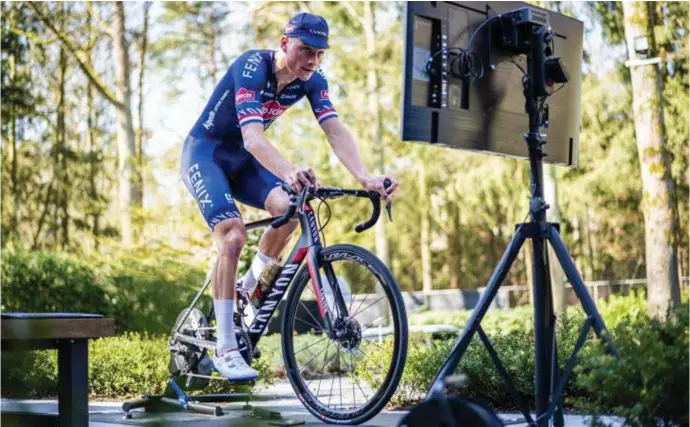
(471, 202)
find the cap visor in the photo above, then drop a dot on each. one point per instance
(315, 41)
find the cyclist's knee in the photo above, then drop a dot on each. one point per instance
(277, 202)
(231, 236)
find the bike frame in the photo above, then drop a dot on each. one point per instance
(307, 247)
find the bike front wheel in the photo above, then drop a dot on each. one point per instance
(345, 373)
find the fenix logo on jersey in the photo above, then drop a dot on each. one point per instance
(244, 95)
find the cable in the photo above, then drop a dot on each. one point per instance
(318, 220)
(427, 68)
(468, 63)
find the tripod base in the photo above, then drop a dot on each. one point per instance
(175, 398)
(548, 385)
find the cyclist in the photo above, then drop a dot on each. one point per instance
(226, 157)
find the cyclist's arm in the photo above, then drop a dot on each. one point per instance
(256, 143)
(339, 137)
(345, 148)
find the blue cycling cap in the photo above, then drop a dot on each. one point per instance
(311, 29)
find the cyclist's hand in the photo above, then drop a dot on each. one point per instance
(300, 178)
(375, 183)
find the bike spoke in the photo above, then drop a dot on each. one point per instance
(372, 342)
(369, 358)
(357, 312)
(360, 303)
(354, 379)
(311, 345)
(330, 393)
(375, 321)
(310, 324)
(317, 354)
(340, 380)
(322, 369)
(310, 315)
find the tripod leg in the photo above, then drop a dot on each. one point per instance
(580, 290)
(543, 330)
(479, 311)
(558, 420)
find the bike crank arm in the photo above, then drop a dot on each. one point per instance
(207, 344)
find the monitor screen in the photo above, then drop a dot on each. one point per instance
(486, 114)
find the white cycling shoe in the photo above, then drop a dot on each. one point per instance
(232, 366)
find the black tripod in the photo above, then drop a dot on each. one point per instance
(548, 385)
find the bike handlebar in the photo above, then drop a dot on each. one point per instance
(309, 193)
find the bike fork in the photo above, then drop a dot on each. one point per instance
(318, 288)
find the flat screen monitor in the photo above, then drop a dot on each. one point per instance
(484, 114)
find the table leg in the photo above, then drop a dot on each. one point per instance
(73, 390)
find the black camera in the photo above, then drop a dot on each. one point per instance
(527, 31)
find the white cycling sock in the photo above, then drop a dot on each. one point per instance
(225, 330)
(254, 272)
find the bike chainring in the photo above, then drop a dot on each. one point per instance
(188, 358)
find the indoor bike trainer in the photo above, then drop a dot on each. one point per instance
(450, 86)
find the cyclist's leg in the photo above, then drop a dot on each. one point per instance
(206, 180)
(258, 187)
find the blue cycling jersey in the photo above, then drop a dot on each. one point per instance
(251, 83)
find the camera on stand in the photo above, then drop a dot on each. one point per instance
(513, 32)
(474, 75)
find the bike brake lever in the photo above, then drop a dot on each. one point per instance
(389, 205)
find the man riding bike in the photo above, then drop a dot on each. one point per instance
(226, 157)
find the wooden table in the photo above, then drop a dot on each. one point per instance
(69, 334)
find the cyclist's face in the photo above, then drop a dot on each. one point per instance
(302, 59)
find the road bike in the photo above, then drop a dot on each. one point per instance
(343, 326)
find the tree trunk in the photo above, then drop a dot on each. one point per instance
(140, 106)
(374, 113)
(93, 152)
(14, 218)
(454, 246)
(93, 168)
(554, 215)
(129, 191)
(61, 217)
(425, 235)
(61, 151)
(663, 291)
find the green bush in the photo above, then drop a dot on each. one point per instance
(121, 367)
(142, 295)
(614, 310)
(647, 386)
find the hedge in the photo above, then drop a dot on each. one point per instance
(127, 366)
(142, 295)
(647, 386)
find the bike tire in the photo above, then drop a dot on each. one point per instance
(389, 385)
